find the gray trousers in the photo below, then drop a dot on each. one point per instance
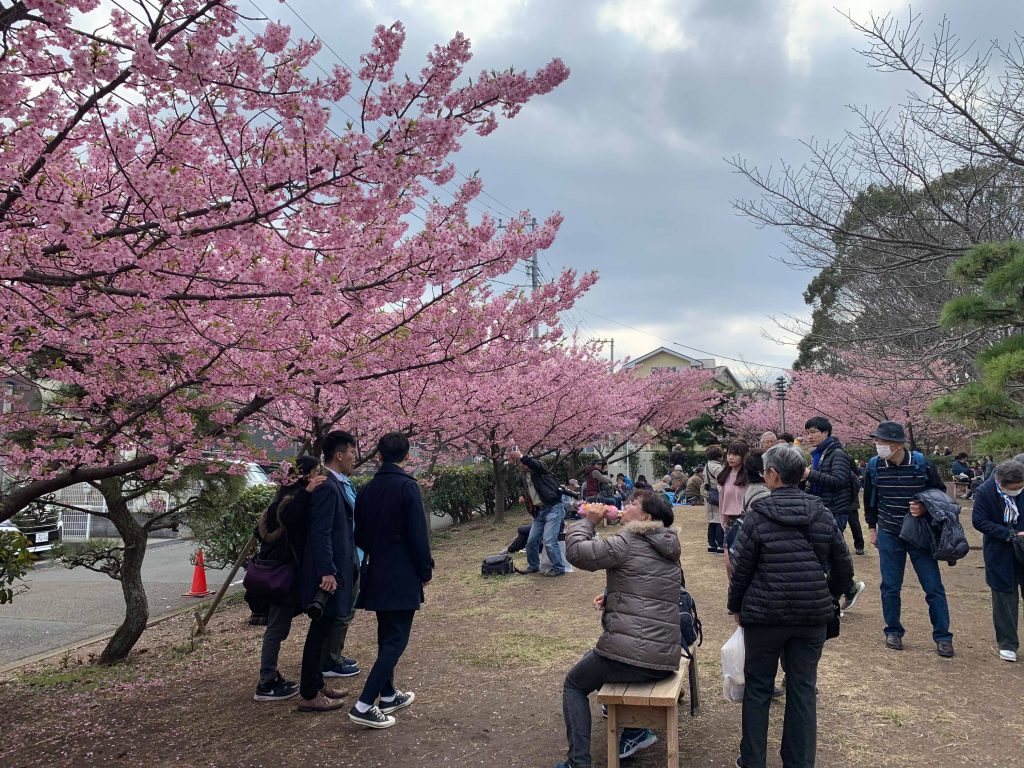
(279, 624)
(333, 655)
(1004, 616)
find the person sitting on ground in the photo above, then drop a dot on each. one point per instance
(999, 514)
(281, 531)
(693, 494)
(962, 472)
(664, 484)
(639, 602)
(791, 562)
(599, 485)
(678, 486)
(570, 498)
(641, 483)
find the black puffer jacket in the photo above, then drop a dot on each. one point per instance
(832, 481)
(778, 578)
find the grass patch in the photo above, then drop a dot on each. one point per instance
(78, 679)
(523, 649)
(894, 716)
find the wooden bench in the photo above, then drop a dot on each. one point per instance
(650, 705)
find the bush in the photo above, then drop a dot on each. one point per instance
(14, 562)
(461, 491)
(222, 532)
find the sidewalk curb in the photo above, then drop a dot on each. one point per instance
(53, 562)
(44, 655)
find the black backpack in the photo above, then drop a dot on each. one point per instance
(689, 624)
(497, 565)
(546, 486)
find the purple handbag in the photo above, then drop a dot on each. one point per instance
(271, 579)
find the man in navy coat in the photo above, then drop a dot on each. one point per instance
(329, 563)
(392, 531)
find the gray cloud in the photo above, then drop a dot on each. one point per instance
(631, 148)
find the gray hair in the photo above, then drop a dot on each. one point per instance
(1019, 458)
(767, 435)
(788, 461)
(1009, 472)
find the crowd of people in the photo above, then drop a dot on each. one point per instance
(778, 511)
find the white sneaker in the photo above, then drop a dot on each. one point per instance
(1008, 655)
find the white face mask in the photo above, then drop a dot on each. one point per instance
(1011, 493)
(883, 450)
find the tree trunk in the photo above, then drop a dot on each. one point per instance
(499, 490)
(136, 605)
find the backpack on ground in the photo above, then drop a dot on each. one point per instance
(497, 565)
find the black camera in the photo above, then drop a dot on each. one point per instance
(316, 608)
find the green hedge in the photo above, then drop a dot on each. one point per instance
(461, 491)
(223, 532)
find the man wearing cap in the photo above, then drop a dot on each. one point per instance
(893, 478)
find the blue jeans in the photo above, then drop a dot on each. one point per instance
(892, 559)
(546, 526)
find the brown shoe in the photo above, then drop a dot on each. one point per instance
(333, 693)
(319, 703)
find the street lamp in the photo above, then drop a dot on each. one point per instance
(780, 394)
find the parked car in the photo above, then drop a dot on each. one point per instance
(42, 527)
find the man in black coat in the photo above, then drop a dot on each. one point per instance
(830, 477)
(392, 531)
(329, 564)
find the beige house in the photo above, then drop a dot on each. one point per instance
(665, 359)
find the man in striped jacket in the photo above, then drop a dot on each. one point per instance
(893, 478)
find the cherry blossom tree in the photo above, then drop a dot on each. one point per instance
(188, 235)
(870, 391)
(187, 238)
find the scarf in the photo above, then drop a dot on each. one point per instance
(1010, 512)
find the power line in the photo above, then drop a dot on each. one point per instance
(686, 346)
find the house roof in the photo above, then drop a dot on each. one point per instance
(692, 361)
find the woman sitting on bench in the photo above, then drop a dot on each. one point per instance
(639, 603)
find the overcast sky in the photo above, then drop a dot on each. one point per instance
(631, 148)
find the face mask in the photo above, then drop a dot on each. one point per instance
(1011, 493)
(883, 450)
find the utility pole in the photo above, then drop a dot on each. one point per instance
(780, 393)
(534, 270)
(611, 357)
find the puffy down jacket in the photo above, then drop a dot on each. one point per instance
(641, 605)
(778, 576)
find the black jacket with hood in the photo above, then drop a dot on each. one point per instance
(779, 576)
(832, 481)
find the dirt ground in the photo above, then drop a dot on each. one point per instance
(486, 661)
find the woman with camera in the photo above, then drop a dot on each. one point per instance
(639, 610)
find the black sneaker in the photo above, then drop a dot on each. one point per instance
(635, 739)
(278, 689)
(401, 701)
(371, 718)
(851, 599)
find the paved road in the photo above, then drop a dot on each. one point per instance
(64, 606)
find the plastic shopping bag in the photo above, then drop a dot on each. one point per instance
(732, 667)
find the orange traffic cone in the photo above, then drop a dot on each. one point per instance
(198, 579)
